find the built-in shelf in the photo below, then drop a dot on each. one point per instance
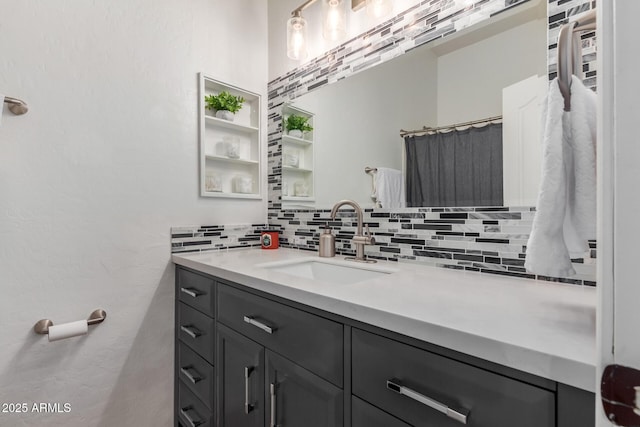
(294, 169)
(297, 199)
(232, 160)
(232, 194)
(230, 151)
(300, 152)
(230, 125)
(297, 141)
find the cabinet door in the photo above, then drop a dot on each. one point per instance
(240, 380)
(297, 397)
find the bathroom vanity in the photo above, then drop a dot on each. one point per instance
(259, 343)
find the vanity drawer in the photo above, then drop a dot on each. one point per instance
(191, 411)
(196, 373)
(196, 290)
(366, 415)
(315, 343)
(383, 368)
(196, 330)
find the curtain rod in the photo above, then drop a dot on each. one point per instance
(449, 128)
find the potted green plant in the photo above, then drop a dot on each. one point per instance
(297, 125)
(224, 104)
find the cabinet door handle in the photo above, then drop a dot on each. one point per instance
(252, 321)
(247, 373)
(272, 393)
(191, 331)
(191, 292)
(459, 415)
(185, 413)
(193, 378)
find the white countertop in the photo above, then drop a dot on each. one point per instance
(546, 329)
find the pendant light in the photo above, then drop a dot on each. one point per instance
(297, 37)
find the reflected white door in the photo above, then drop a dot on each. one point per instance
(522, 140)
(619, 189)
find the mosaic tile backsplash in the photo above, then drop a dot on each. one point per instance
(488, 240)
(200, 238)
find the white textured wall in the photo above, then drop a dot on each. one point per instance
(92, 178)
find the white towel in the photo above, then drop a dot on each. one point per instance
(389, 188)
(566, 209)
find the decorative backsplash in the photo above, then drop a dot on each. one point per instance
(488, 240)
(200, 238)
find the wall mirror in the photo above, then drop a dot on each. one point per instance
(495, 68)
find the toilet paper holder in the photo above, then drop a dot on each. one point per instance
(96, 316)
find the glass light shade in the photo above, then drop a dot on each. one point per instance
(334, 17)
(297, 38)
(379, 8)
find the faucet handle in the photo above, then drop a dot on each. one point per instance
(367, 234)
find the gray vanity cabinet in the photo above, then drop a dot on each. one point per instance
(245, 358)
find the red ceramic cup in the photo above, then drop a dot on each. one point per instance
(269, 239)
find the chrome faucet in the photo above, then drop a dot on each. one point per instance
(360, 240)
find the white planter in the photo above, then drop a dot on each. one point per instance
(295, 133)
(225, 115)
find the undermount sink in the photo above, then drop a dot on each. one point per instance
(334, 271)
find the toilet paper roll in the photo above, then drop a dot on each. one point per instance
(68, 330)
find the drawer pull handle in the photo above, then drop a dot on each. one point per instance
(191, 292)
(191, 331)
(193, 422)
(193, 378)
(254, 322)
(459, 415)
(247, 373)
(272, 394)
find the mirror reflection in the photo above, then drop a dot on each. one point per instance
(495, 68)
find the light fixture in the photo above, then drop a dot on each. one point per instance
(379, 8)
(334, 17)
(297, 36)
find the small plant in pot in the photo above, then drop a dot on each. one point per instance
(297, 125)
(224, 104)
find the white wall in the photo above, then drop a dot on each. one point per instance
(471, 79)
(280, 11)
(91, 180)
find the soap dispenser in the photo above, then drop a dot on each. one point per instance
(327, 243)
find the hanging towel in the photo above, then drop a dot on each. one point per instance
(389, 188)
(566, 208)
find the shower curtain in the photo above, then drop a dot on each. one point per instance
(457, 168)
